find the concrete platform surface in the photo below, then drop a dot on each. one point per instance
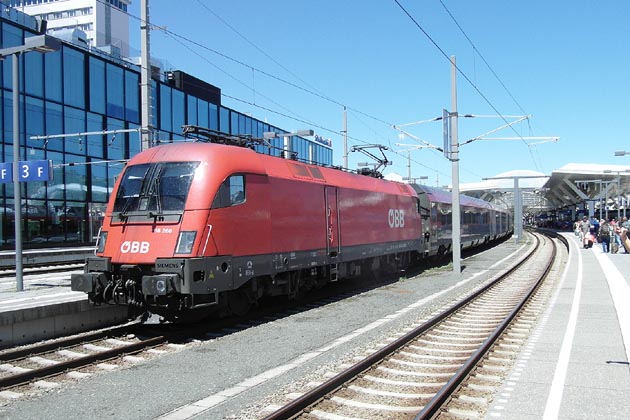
(46, 307)
(575, 365)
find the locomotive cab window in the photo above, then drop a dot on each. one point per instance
(231, 192)
(157, 187)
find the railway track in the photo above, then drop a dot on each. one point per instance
(24, 370)
(420, 374)
(72, 356)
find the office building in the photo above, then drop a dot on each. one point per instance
(104, 22)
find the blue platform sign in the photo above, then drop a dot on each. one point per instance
(29, 170)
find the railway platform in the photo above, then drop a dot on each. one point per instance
(576, 363)
(46, 307)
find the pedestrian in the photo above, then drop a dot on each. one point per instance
(604, 235)
(585, 230)
(594, 225)
(615, 240)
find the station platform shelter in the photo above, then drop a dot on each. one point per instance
(556, 200)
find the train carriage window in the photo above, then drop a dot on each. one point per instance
(231, 192)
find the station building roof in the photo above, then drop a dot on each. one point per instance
(576, 183)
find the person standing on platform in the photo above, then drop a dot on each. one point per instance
(615, 240)
(604, 235)
(594, 225)
(585, 230)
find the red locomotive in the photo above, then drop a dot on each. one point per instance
(197, 228)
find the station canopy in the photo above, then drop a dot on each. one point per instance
(499, 190)
(579, 183)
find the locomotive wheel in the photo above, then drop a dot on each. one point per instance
(296, 291)
(238, 302)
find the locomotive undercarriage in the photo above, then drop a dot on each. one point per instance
(192, 288)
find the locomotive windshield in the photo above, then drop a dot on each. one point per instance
(155, 187)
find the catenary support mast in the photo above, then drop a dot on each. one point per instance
(456, 222)
(145, 77)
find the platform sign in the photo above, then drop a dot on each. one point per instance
(29, 170)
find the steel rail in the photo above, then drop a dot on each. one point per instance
(433, 407)
(309, 398)
(25, 377)
(9, 355)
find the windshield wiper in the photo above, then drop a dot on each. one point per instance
(156, 193)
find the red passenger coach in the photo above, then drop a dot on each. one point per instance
(197, 228)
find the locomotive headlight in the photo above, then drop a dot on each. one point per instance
(102, 238)
(185, 242)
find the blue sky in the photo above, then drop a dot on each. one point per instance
(295, 63)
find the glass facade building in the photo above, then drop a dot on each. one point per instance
(75, 90)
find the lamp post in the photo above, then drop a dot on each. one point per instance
(287, 138)
(43, 44)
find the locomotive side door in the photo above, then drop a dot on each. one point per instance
(332, 221)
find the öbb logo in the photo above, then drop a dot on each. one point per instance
(134, 247)
(396, 218)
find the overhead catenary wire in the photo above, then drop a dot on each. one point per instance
(284, 81)
(295, 116)
(262, 72)
(461, 72)
(263, 52)
(474, 47)
(472, 44)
